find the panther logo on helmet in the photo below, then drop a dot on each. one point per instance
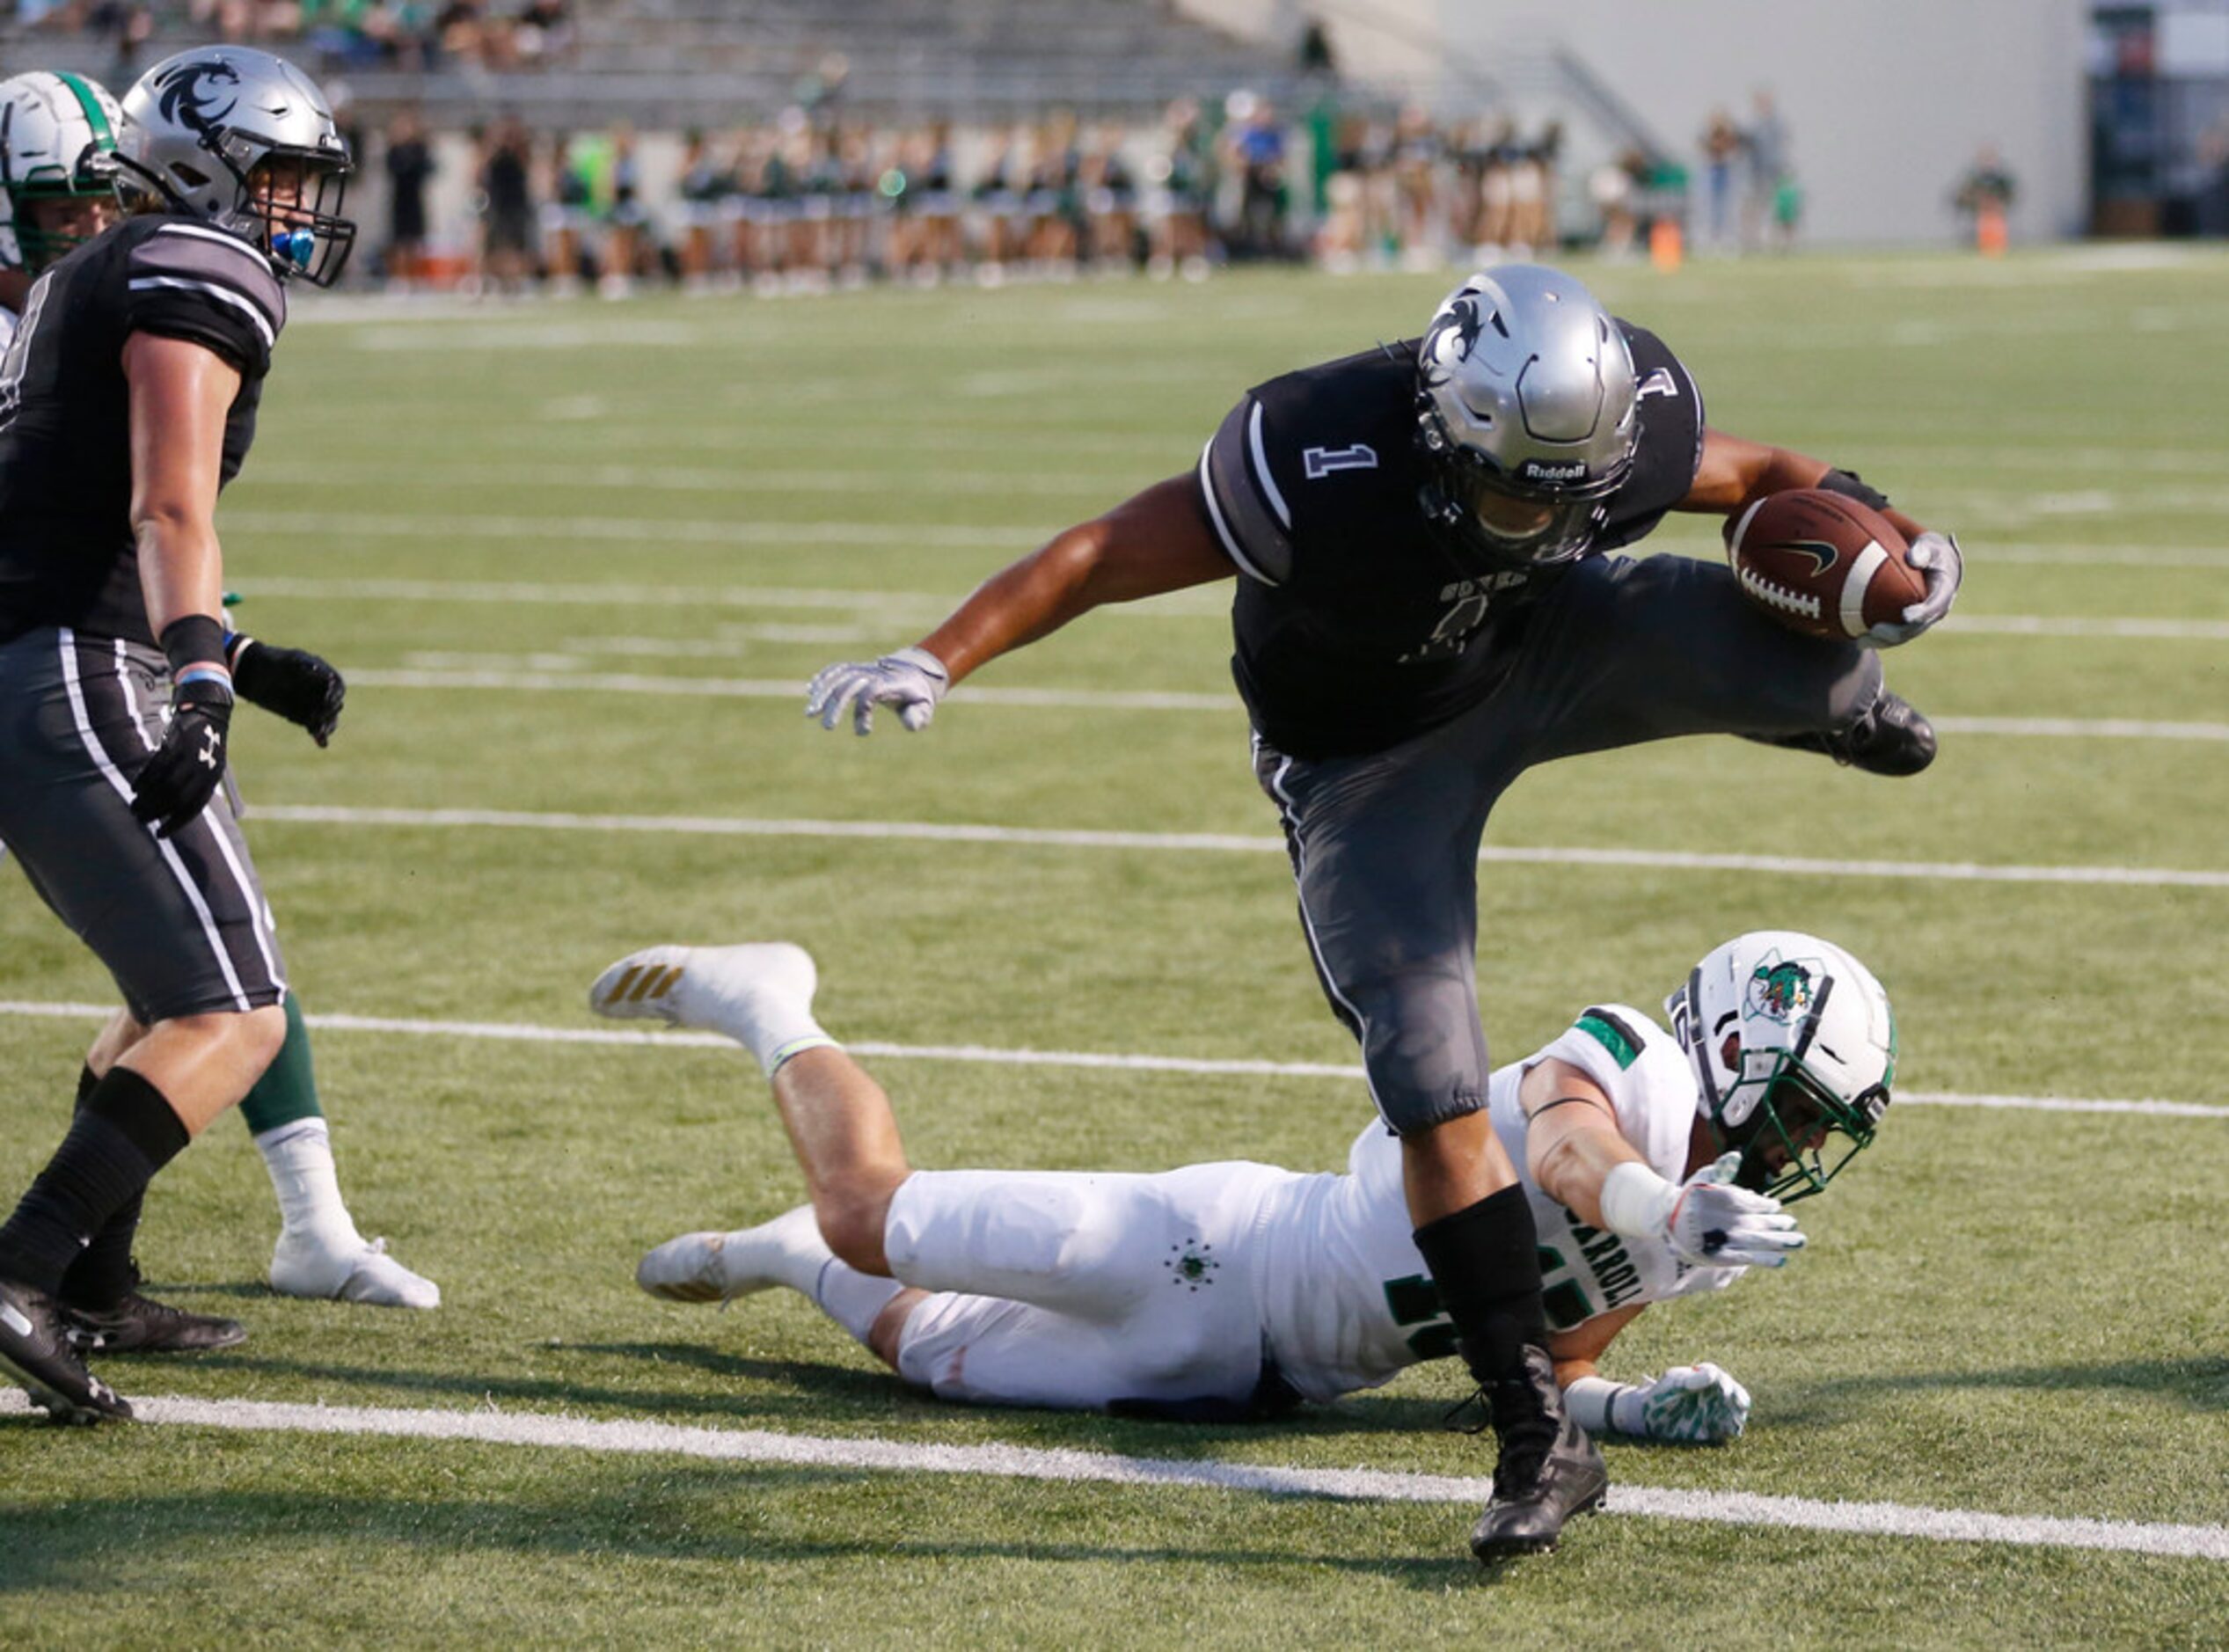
(1461, 317)
(1779, 990)
(186, 100)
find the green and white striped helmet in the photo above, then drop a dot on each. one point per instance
(57, 142)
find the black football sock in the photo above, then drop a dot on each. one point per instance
(124, 1133)
(1486, 1261)
(103, 1276)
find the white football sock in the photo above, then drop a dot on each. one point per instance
(787, 1251)
(299, 1157)
(854, 1300)
(774, 1025)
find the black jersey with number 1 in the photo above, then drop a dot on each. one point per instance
(1359, 624)
(66, 554)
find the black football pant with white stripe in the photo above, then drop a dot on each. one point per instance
(181, 923)
(1385, 846)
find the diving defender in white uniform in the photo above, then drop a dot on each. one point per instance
(1658, 1164)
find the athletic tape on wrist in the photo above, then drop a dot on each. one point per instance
(1635, 1201)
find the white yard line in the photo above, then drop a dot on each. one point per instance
(543, 681)
(886, 604)
(528, 1033)
(645, 534)
(1220, 843)
(1014, 1462)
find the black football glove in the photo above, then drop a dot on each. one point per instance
(188, 766)
(295, 684)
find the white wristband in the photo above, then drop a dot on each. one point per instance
(1601, 1406)
(1636, 1201)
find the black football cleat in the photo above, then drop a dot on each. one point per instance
(1549, 1470)
(140, 1325)
(34, 1351)
(1892, 737)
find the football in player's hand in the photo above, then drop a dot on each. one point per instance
(1822, 563)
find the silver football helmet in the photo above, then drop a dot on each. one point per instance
(245, 140)
(1793, 1044)
(57, 143)
(1527, 410)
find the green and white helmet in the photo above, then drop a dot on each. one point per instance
(1793, 1044)
(57, 142)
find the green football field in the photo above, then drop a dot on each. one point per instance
(578, 560)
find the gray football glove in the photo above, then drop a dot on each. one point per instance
(1936, 556)
(913, 680)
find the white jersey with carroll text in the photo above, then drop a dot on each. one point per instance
(1346, 1302)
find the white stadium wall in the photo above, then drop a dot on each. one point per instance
(1886, 101)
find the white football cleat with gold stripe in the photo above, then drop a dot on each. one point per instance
(714, 988)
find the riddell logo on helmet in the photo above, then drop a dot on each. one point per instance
(1543, 471)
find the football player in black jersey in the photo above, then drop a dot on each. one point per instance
(128, 399)
(57, 191)
(1426, 607)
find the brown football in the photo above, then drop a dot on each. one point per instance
(1822, 563)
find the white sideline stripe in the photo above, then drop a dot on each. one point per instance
(1144, 699)
(1229, 843)
(527, 1033)
(760, 689)
(609, 594)
(1015, 1462)
(596, 593)
(2048, 626)
(2081, 728)
(647, 534)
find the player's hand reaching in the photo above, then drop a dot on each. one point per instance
(1937, 557)
(1713, 1224)
(1689, 1405)
(1708, 1221)
(297, 686)
(912, 680)
(185, 770)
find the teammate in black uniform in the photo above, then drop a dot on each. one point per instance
(1424, 610)
(128, 399)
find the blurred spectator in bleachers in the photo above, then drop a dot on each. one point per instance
(1256, 146)
(1984, 196)
(1615, 188)
(506, 207)
(409, 165)
(1722, 148)
(1765, 142)
(1181, 189)
(1110, 203)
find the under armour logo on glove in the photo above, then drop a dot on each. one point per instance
(183, 773)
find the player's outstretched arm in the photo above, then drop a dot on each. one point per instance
(1734, 474)
(1689, 1405)
(1578, 1156)
(1155, 542)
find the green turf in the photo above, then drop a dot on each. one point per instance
(2013, 1313)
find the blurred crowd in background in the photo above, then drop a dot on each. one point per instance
(812, 200)
(415, 35)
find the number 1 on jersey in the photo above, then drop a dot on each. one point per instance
(1322, 462)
